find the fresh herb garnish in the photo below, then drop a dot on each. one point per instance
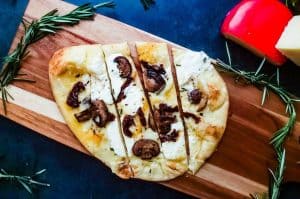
(147, 3)
(34, 31)
(278, 139)
(26, 181)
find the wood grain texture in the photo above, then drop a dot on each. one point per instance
(237, 168)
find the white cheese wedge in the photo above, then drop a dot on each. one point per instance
(289, 42)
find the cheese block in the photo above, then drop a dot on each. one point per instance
(289, 42)
(135, 114)
(159, 84)
(257, 25)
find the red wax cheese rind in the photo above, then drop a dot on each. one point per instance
(257, 26)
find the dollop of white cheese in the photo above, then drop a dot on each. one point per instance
(116, 80)
(113, 134)
(174, 150)
(190, 65)
(100, 89)
(133, 100)
(95, 65)
(178, 126)
(86, 80)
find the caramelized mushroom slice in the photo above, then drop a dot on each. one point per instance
(151, 122)
(83, 115)
(141, 115)
(100, 113)
(72, 99)
(124, 66)
(126, 124)
(194, 96)
(153, 80)
(122, 95)
(191, 115)
(158, 68)
(146, 149)
(169, 137)
(163, 121)
(164, 117)
(197, 97)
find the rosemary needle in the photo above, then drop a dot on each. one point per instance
(26, 181)
(50, 23)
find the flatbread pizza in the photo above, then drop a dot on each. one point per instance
(155, 119)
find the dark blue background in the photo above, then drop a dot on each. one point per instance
(193, 24)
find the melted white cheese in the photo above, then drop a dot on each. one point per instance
(177, 125)
(95, 65)
(113, 134)
(150, 134)
(116, 80)
(86, 80)
(129, 144)
(190, 65)
(133, 100)
(174, 150)
(100, 89)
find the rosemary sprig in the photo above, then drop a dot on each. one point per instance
(147, 3)
(265, 82)
(50, 23)
(26, 181)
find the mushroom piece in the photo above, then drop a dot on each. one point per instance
(169, 137)
(197, 97)
(141, 115)
(164, 117)
(124, 66)
(72, 99)
(153, 80)
(127, 122)
(194, 96)
(163, 121)
(146, 149)
(158, 68)
(192, 115)
(122, 95)
(100, 113)
(83, 115)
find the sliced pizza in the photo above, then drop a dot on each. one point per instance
(142, 142)
(205, 103)
(82, 91)
(159, 85)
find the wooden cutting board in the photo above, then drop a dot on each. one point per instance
(238, 167)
